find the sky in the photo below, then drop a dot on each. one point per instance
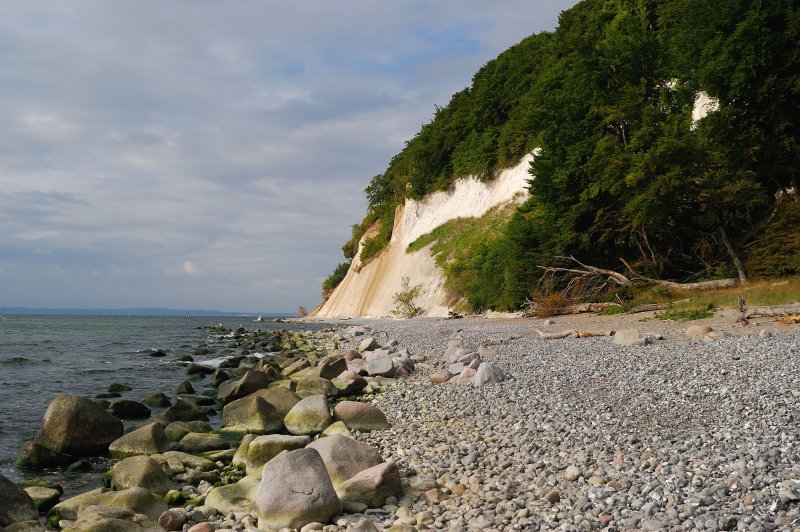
(206, 154)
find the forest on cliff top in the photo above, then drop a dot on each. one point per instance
(623, 171)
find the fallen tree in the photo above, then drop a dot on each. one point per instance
(584, 272)
(571, 333)
(775, 311)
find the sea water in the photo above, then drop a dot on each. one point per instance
(45, 356)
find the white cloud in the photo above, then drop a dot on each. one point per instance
(241, 136)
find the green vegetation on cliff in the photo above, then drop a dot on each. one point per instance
(624, 171)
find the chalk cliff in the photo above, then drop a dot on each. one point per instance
(368, 290)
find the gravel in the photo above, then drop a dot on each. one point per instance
(584, 434)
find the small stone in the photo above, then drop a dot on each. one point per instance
(572, 473)
(553, 497)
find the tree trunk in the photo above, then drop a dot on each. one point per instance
(732, 252)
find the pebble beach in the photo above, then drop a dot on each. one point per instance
(681, 434)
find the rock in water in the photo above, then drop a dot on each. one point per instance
(16, 505)
(129, 409)
(146, 440)
(295, 490)
(363, 417)
(78, 426)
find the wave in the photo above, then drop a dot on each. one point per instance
(23, 361)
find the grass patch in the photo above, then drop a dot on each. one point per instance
(698, 313)
(615, 309)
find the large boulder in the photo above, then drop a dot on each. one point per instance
(15, 504)
(281, 398)
(250, 382)
(344, 457)
(349, 383)
(240, 456)
(628, 337)
(309, 416)
(264, 448)
(96, 518)
(140, 472)
(236, 497)
(295, 490)
(78, 426)
(253, 414)
(363, 417)
(372, 486)
(368, 344)
(146, 440)
(380, 367)
(137, 499)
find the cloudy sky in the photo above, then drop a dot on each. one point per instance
(205, 154)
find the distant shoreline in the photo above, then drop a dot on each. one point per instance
(144, 311)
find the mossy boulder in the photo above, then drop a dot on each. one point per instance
(264, 448)
(236, 497)
(178, 429)
(43, 498)
(140, 472)
(35, 456)
(337, 427)
(158, 400)
(198, 442)
(177, 462)
(310, 416)
(146, 440)
(78, 426)
(253, 414)
(240, 456)
(185, 411)
(129, 409)
(309, 385)
(97, 518)
(137, 499)
(283, 399)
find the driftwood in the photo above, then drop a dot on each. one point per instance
(584, 272)
(649, 307)
(571, 333)
(777, 311)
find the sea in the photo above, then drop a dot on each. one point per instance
(42, 356)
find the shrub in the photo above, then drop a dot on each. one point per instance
(404, 305)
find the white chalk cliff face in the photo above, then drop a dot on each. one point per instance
(369, 290)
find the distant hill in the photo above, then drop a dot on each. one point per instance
(147, 311)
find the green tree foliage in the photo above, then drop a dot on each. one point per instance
(333, 280)
(623, 171)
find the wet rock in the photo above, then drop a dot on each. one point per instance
(129, 409)
(185, 411)
(77, 426)
(34, 456)
(157, 399)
